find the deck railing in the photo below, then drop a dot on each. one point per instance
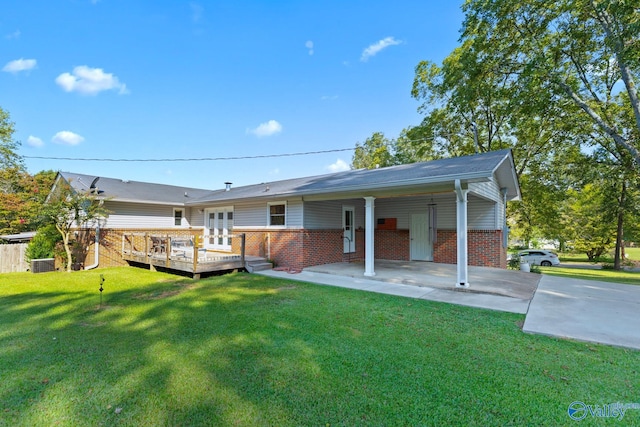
(185, 253)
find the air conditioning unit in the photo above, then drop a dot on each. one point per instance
(43, 265)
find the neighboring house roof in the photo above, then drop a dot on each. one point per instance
(23, 237)
(436, 175)
(133, 191)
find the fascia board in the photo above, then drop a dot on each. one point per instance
(345, 191)
(513, 175)
(142, 202)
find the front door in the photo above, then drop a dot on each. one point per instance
(219, 226)
(421, 244)
(348, 229)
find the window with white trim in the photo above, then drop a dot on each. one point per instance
(277, 214)
(178, 216)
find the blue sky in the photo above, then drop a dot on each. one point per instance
(131, 79)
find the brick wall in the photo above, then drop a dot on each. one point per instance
(484, 248)
(303, 248)
(284, 247)
(392, 244)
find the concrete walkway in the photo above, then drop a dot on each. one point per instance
(584, 310)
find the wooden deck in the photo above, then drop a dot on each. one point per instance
(180, 253)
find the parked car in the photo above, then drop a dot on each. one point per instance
(539, 257)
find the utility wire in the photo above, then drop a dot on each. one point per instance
(199, 159)
(209, 159)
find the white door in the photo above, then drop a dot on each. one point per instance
(348, 229)
(219, 226)
(421, 244)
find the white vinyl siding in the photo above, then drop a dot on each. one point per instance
(142, 216)
(295, 212)
(486, 190)
(401, 208)
(250, 215)
(196, 218)
(328, 214)
(256, 214)
(481, 214)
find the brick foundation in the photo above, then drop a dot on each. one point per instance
(298, 249)
(303, 248)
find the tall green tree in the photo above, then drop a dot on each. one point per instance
(375, 151)
(591, 221)
(9, 157)
(23, 199)
(540, 77)
(583, 51)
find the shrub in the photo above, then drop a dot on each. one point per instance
(44, 243)
(514, 263)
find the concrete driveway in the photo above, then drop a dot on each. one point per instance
(585, 310)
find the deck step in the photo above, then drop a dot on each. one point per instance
(258, 264)
(261, 266)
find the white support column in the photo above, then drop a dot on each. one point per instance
(369, 227)
(461, 231)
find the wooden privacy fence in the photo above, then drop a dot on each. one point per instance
(12, 258)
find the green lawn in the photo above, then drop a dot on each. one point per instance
(250, 351)
(628, 277)
(633, 253)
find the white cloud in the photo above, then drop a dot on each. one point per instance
(196, 11)
(329, 97)
(339, 166)
(309, 45)
(90, 81)
(375, 48)
(266, 129)
(15, 35)
(34, 141)
(66, 137)
(20, 65)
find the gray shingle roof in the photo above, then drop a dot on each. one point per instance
(475, 168)
(135, 191)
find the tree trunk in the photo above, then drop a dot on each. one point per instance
(616, 260)
(67, 249)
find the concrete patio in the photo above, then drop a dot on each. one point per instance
(492, 288)
(485, 280)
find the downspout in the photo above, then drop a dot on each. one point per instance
(505, 227)
(96, 251)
